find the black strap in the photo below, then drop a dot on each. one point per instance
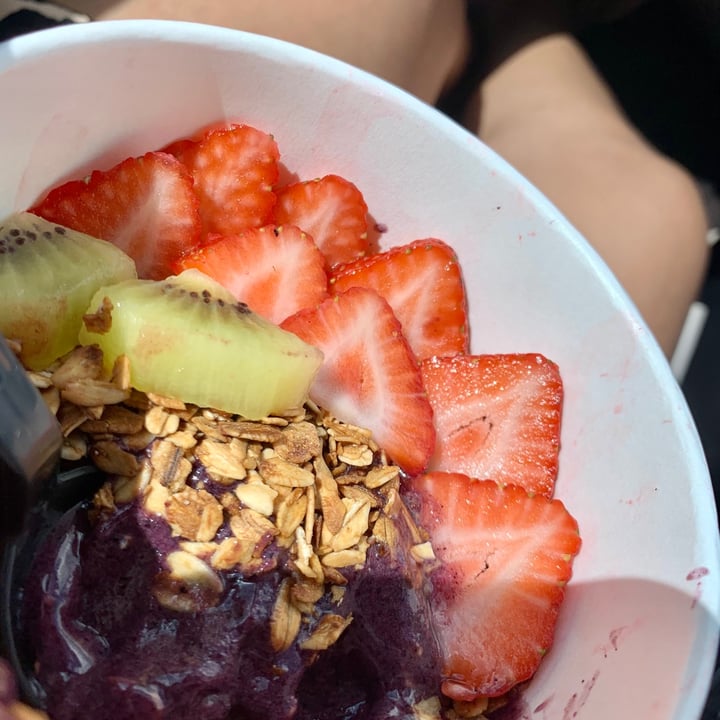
(18, 17)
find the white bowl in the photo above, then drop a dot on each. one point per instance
(639, 630)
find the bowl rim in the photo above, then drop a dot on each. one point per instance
(45, 42)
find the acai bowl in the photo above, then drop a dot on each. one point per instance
(637, 631)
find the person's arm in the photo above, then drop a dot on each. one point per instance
(416, 44)
(548, 113)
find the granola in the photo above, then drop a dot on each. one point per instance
(306, 471)
(229, 488)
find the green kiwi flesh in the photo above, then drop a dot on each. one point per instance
(186, 338)
(48, 274)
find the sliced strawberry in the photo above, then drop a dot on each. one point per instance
(181, 147)
(506, 557)
(235, 169)
(276, 271)
(497, 417)
(423, 283)
(369, 376)
(332, 211)
(145, 205)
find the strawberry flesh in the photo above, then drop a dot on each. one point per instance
(506, 557)
(332, 211)
(145, 205)
(235, 169)
(369, 377)
(423, 284)
(275, 271)
(497, 417)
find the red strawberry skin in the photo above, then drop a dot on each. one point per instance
(275, 271)
(423, 283)
(235, 169)
(506, 558)
(369, 377)
(145, 205)
(332, 211)
(498, 417)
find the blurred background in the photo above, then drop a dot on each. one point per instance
(663, 62)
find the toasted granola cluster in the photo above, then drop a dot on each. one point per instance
(315, 486)
(319, 489)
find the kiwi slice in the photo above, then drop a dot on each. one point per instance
(48, 273)
(187, 338)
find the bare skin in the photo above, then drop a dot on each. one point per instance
(547, 112)
(416, 44)
(544, 109)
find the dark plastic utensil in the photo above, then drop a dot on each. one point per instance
(30, 442)
(33, 498)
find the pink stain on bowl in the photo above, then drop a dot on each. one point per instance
(577, 700)
(541, 707)
(697, 573)
(614, 638)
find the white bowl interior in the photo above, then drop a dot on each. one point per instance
(639, 630)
